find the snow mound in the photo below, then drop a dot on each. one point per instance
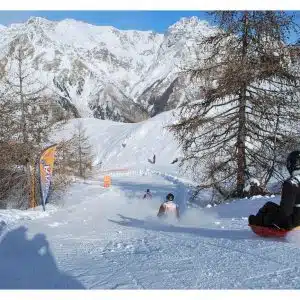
(10, 217)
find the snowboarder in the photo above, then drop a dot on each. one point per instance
(148, 195)
(287, 214)
(168, 206)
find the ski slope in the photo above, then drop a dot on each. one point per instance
(110, 238)
(128, 145)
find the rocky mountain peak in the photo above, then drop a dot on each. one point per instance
(105, 72)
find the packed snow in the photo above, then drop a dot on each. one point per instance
(110, 238)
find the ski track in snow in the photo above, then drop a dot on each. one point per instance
(111, 239)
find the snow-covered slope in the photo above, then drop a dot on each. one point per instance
(110, 238)
(123, 145)
(105, 72)
(163, 86)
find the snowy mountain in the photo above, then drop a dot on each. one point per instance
(163, 87)
(107, 73)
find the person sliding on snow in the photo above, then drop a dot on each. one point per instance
(287, 214)
(168, 206)
(148, 195)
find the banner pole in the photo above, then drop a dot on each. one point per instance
(32, 191)
(29, 182)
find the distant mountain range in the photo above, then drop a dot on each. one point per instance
(100, 71)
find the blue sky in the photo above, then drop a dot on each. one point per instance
(157, 21)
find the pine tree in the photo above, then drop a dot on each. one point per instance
(250, 100)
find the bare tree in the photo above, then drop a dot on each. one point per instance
(26, 117)
(250, 100)
(82, 151)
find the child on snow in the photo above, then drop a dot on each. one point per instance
(148, 195)
(168, 207)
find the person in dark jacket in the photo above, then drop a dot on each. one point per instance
(286, 215)
(147, 195)
(168, 207)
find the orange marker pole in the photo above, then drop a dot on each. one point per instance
(107, 181)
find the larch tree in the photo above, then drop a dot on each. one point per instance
(26, 116)
(250, 101)
(82, 151)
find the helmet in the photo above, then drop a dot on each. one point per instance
(170, 197)
(293, 161)
(148, 191)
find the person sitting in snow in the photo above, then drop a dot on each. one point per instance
(254, 189)
(286, 215)
(148, 195)
(168, 206)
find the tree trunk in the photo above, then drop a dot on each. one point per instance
(241, 155)
(80, 162)
(23, 118)
(241, 138)
(31, 179)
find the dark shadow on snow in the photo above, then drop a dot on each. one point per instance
(29, 264)
(2, 226)
(204, 232)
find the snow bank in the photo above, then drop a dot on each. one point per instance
(10, 217)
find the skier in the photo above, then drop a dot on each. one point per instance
(168, 206)
(148, 195)
(287, 214)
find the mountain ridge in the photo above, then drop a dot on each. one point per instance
(107, 73)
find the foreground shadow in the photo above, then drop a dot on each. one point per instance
(29, 264)
(2, 226)
(203, 232)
